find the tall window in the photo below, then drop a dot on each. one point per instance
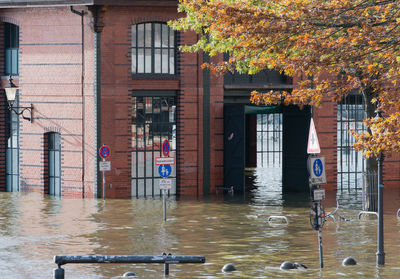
(12, 153)
(350, 163)
(11, 48)
(153, 122)
(54, 163)
(153, 49)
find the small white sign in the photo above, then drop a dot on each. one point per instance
(317, 170)
(165, 184)
(105, 165)
(313, 143)
(319, 194)
(165, 161)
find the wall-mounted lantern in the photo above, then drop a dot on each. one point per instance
(11, 92)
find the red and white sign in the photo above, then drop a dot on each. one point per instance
(165, 161)
(313, 144)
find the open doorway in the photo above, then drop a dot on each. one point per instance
(265, 150)
(264, 139)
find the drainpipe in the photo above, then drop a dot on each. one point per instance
(97, 26)
(206, 127)
(81, 14)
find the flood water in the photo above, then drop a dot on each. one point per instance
(35, 228)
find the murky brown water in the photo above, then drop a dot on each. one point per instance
(34, 228)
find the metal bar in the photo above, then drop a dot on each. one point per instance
(113, 259)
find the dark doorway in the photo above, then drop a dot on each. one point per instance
(234, 147)
(296, 123)
(266, 147)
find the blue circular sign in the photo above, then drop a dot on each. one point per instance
(104, 151)
(165, 148)
(318, 167)
(164, 170)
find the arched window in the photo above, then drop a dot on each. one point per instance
(11, 49)
(153, 49)
(53, 164)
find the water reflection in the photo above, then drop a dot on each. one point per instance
(34, 228)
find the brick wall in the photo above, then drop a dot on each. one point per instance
(50, 78)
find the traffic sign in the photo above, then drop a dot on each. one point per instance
(164, 170)
(313, 144)
(165, 184)
(319, 194)
(317, 170)
(165, 161)
(105, 165)
(104, 151)
(165, 148)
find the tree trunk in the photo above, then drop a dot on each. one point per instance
(370, 189)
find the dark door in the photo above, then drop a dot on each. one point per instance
(296, 123)
(234, 145)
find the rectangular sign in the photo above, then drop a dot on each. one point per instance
(105, 165)
(316, 167)
(319, 194)
(165, 161)
(165, 184)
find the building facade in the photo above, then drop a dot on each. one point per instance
(111, 73)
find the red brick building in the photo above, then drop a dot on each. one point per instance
(110, 73)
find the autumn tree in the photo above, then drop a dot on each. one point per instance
(342, 46)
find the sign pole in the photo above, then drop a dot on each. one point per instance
(104, 183)
(165, 204)
(321, 259)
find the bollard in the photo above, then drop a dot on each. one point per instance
(59, 273)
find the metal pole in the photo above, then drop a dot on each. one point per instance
(166, 269)
(104, 183)
(59, 273)
(321, 259)
(165, 204)
(380, 254)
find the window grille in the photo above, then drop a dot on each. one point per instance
(153, 49)
(153, 121)
(269, 140)
(350, 163)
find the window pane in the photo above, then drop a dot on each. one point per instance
(8, 61)
(14, 61)
(134, 65)
(157, 61)
(171, 38)
(57, 171)
(165, 61)
(140, 37)
(171, 61)
(157, 35)
(147, 38)
(140, 67)
(51, 163)
(164, 35)
(134, 34)
(15, 160)
(8, 161)
(148, 60)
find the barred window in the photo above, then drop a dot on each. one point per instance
(153, 49)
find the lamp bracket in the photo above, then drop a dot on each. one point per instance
(21, 110)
